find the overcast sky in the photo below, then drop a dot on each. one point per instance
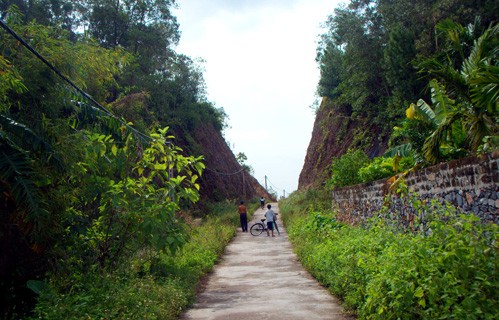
(260, 67)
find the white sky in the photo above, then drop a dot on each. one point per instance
(260, 67)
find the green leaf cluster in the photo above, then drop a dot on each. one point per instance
(345, 169)
(355, 167)
(377, 169)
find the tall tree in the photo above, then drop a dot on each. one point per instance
(146, 28)
(358, 34)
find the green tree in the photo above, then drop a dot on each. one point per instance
(473, 86)
(330, 60)
(46, 12)
(354, 37)
(76, 186)
(368, 54)
(145, 28)
(241, 159)
(399, 53)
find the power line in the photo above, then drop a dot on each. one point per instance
(83, 93)
(270, 182)
(223, 173)
(86, 95)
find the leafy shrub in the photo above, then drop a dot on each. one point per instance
(344, 170)
(114, 297)
(384, 167)
(440, 265)
(151, 285)
(355, 167)
(300, 202)
(377, 169)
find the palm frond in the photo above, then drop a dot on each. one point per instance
(442, 104)
(402, 150)
(482, 72)
(452, 32)
(485, 89)
(479, 127)
(431, 147)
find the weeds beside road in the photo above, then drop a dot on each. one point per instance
(154, 285)
(385, 271)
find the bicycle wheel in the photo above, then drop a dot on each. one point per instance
(257, 229)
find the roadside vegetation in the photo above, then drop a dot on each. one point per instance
(425, 78)
(444, 266)
(149, 284)
(94, 209)
(96, 197)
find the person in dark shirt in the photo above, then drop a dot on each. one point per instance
(243, 217)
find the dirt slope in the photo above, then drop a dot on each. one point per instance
(224, 177)
(334, 132)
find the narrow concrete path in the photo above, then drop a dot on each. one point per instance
(261, 278)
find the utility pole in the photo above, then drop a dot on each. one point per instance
(266, 184)
(283, 193)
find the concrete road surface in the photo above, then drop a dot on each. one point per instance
(261, 278)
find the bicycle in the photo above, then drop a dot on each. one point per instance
(258, 228)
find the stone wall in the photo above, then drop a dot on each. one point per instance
(471, 184)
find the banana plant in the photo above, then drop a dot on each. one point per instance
(474, 85)
(446, 136)
(464, 94)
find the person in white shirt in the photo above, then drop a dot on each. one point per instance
(270, 216)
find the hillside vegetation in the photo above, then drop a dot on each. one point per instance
(415, 79)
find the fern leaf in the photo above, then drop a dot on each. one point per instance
(16, 173)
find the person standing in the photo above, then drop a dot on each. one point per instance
(262, 202)
(243, 217)
(270, 216)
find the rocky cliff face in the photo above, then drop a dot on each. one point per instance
(335, 131)
(223, 178)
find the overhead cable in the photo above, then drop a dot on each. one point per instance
(83, 93)
(270, 182)
(223, 173)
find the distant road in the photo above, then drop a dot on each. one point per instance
(261, 278)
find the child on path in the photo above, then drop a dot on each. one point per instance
(270, 216)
